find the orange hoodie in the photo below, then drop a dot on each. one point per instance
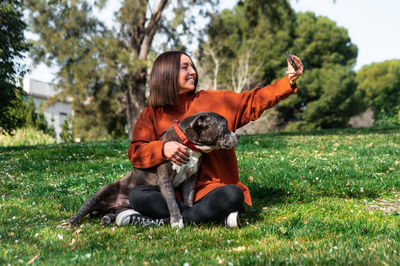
(219, 167)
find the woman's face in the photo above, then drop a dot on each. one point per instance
(187, 75)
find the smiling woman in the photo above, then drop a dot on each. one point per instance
(171, 74)
(187, 75)
(219, 194)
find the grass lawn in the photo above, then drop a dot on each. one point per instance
(329, 197)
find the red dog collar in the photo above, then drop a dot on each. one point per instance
(182, 136)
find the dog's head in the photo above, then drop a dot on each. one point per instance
(209, 131)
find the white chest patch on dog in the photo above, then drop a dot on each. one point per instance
(184, 171)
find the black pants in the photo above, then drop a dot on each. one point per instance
(213, 207)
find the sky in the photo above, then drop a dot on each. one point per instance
(373, 25)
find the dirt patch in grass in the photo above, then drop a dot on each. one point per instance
(386, 205)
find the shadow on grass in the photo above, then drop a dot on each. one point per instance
(264, 197)
(269, 197)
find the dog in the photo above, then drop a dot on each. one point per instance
(201, 132)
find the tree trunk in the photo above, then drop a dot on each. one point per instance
(136, 99)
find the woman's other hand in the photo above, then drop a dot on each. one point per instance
(175, 152)
(294, 75)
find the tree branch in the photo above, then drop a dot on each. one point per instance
(151, 29)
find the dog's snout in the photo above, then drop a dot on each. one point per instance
(236, 139)
(235, 136)
(229, 140)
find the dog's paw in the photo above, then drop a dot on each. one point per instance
(178, 224)
(74, 221)
(65, 225)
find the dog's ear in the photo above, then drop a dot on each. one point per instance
(201, 121)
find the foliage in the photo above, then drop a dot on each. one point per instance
(26, 136)
(25, 112)
(249, 43)
(104, 68)
(66, 134)
(322, 43)
(390, 120)
(86, 129)
(326, 96)
(323, 198)
(254, 38)
(325, 99)
(12, 48)
(380, 83)
(81, 46)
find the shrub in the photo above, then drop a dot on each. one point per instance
(380, 82)
(66, 134)
(388, 119)
(24, 112)
(26, 136)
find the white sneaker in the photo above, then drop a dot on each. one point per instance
(124, 218)
(232, 220)
(135, 218)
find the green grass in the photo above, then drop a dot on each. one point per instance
(328, 197)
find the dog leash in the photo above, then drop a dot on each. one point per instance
(183, 137)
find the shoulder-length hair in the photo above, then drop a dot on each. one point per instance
(164, 77)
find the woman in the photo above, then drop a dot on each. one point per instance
(219, 193)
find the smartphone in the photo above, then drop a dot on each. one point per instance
(289, 57)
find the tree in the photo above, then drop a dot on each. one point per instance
(251, 39)
(329, 96)
(243, 75)
(213, 62)
(106, 66)
(248, 42)
(326, 97)
(12, 48)
(380, 83)
(24, 111)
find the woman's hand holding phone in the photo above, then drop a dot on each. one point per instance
(295, 68)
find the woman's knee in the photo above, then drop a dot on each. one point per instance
(236, 192)
(233, 196)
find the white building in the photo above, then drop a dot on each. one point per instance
(55, 114)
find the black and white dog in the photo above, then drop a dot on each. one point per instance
(201, 132)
